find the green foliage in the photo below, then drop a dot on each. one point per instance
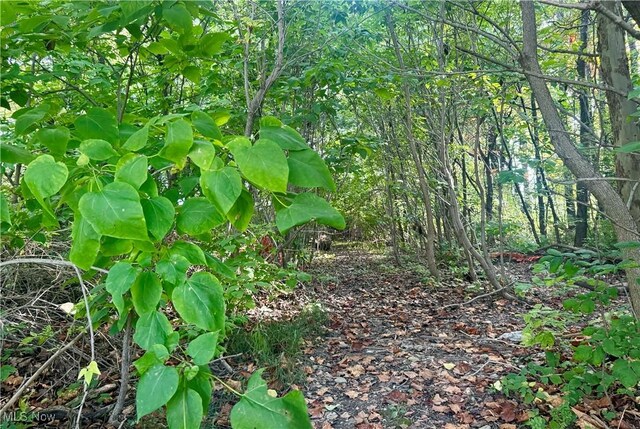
(602, 361)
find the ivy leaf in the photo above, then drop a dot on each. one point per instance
(85, 243)
(307, 207)
(259, 409)
(146, 292)
(158, 214)
(178, 142)
(222, 187)
(97, 149)
(132, 169)
(115, 211)
(265, 165)
(184, 410)
(307, 169)
(205, 125)
(152, 328)
(200, 301)
(198, 216)
(203, 348)
(98, 123)
(155, 388)
(119, 280)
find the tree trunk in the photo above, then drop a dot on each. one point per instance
(614, 66)
(582, 193)
(615, 208)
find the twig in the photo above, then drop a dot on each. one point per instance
(47, 262)
(39, 371)
(124, 374)
(484, 295)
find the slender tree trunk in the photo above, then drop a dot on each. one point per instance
(582, 193)
(422, 177)
(615, 208)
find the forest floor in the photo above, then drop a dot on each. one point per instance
(400, 350)
(397, 356)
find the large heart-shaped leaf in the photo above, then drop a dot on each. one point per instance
(159, 214)
(115, 211)
(264, 164)
(240, 214)
(198, 216)
(286, 137)
(307, 169)
(307, 207)
(205, 125)
(222, 187)
(203, 348)
(146, 292)
(258, 409)
(98, 123)
(155, 388)
(200, 301)
(97, 149)
(55, 139)
(184, 410)
(45, 176)
(26, 118)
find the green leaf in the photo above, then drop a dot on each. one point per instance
(627, 372)
(202, 154)
(85, 243)
(132, 169)
(219, 267)
(146, 292)
(265, 165)
(29, 117)
(286, 137)
(173, 270)
(192, 73)
(119, 280)
(203, 348)
(611, 348)
(97, 149)
(582, 353)
(307, 169)
(205, 125)
(115, 211)
(184, 410)
(210, 44)
(88, 372)
(197, 216)
(222, 187)
(98, 123)
(155, 388)
(178, 18)
(201, 383)
(627, 245)
(630, 147)
(158, 214)
(137, 140)
(190, 251)
(45, 177)
(200, 302)
(5, 215)
(15, 154)
(306, 207)
(178, 142)
(259, 409)
(6, 371)
(152, 328)
(156, 355)
(240, 214)
(55, 139)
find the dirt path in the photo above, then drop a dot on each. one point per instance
(394, 358)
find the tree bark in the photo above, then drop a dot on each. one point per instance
(614, 66)
(615, 208)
